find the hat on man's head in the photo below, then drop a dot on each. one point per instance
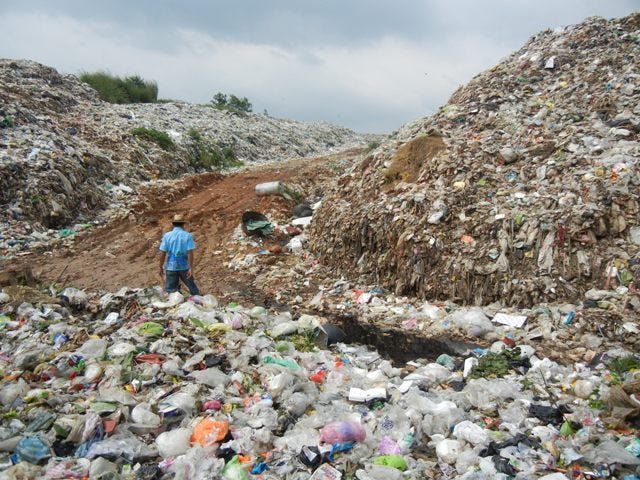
(178, 218)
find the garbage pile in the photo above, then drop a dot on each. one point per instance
(137, 385)
(66, 155)
(522, 189)
(566, 331)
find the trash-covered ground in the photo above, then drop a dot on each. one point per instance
(133, 384)
(325, 354)
(522, 189)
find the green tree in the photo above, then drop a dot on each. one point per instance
(231, 103)
(219, 99)
(241, 104)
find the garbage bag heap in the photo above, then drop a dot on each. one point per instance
(523, 188)
(66, 154)
(136, 386)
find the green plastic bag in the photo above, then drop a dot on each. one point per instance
(290, 364)
(393, 461)
(103, 407)
(234, 470)
(566, 429)
(151, 328)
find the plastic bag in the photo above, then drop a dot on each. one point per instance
(472, 321)
(10, 391)
(394, 461)
(32, 450)
(122, 445)
(94, 348)
(283, 362)
(284, 328)
(341, 432)
(234, 470)
(388, 446)
(75, 297)
(448, 450)
(198, 463)
(211, 376)
(296, 403)
(142, 414)
(209, 431)
(174, 299)
(152, 329)
(102, 468)
(174, 442)
(470, 432)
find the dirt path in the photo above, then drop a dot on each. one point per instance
(125, 253)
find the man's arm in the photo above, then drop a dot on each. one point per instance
(191, 264)
(163, 259)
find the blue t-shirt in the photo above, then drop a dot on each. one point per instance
(177, 243)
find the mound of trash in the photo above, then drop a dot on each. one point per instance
(66, 154)
(522, 189)
(139, 385)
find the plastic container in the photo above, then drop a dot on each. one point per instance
(269, 188)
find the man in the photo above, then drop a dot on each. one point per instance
(178, 246)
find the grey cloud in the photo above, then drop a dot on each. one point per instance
(367, 64)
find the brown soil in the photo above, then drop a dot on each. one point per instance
(408, 160)
(125, 253)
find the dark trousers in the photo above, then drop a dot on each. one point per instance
(172, 282)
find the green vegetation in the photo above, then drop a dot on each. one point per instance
(373, 145)
(621, 365)
(304, 342)
(231, 103)
(156, 136)
(7, 122)
(496, 364)
(205, 154)
(597, 404)
(113, 89)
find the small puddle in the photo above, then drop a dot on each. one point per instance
(399, 345)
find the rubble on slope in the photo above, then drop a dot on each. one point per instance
(522, 189)
(65, 155)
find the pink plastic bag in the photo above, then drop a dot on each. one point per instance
(388, 446)
(341, 432)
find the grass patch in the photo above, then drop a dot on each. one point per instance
(113, 89)
(156, 136)
(373, 145)
(206, 154)
(622, 365)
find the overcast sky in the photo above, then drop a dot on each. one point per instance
(370, 65)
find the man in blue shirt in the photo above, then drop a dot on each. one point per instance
(176, 258)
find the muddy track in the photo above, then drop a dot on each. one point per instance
(125, 253)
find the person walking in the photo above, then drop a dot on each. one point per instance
(176, 258)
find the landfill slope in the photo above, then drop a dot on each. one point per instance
(124, 251)
(65, 154)
(523, 188)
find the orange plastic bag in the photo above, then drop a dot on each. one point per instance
(209, 431)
